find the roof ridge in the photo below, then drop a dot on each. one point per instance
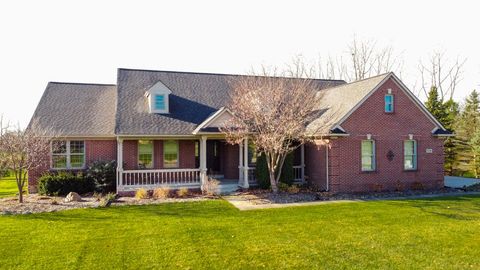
(223, 74)
(77, 83)
(350, 83)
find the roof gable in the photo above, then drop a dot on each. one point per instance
(338, 103)
(216, 121)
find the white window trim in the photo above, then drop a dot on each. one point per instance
(153, 155)
(177, 165)
(374, 157)
(158, 89)
(385, 105)
(68, 155)
(415, 155)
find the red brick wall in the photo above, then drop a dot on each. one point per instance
(186, 154)
(95, 150)
(130, 154)
(100, 150)
(315, 162)
(389, 130)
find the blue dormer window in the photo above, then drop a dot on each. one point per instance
(158, 98)
(389, 103)
(160, 102)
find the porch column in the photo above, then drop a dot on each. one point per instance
(119, 163)
(302, 161)
(203, 160)
(240, 164)
(245, 163)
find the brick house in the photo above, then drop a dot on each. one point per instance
(162, 128)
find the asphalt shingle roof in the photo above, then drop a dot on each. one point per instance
(338, 101)
(195, 96)
(74, 109)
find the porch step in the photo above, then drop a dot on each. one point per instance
(227, 188)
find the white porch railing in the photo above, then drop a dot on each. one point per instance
(134, 179)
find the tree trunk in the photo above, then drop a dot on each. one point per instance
(273, 182)
(20, 197)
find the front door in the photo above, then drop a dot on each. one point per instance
(213, 157)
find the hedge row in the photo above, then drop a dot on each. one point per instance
(63, 183)
(100, 176)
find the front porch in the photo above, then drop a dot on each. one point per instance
(196, 160)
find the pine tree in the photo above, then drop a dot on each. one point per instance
(467, 132)
(435, 105)
(445, 113)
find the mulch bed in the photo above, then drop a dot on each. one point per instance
(259, 196)
(35, 203)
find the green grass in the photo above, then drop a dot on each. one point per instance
(414, 234)
(8, 187)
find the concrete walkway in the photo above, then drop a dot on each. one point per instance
(243, 204)
(460, 182)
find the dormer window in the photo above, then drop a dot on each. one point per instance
(159, 102)
(158, 98)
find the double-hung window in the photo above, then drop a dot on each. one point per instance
(410, 155)
(145, 154)
(389, 103)
(68, 155)
(170, 154)
(368, 155)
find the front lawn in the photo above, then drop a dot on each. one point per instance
(411, 234)
(8, 187)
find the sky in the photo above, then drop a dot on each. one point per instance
(86, 41)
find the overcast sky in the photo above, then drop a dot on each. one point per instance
(86, 41)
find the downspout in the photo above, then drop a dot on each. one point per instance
(326, 161)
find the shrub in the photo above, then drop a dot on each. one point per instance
(282, 187)
(293, 189)
(261, 171)
(103, 175)
(107, 200)
(210, 187)
(64, 182)
(377, 187)
(161, 193)
(141, 194)
(182, 192)
(399, 186)
(97, 196)
(417, 186)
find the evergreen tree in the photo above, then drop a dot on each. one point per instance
(446, 113)
(436, 106)
(467, 133)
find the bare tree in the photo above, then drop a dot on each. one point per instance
(442, 73)
(362, 59)
(23, 150)
(273, 112)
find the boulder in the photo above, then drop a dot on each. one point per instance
(73, 197)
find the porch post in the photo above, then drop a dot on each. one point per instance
(245, 163)
(203, 161)
(240, 164)
(119, 163)
(302, 161)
